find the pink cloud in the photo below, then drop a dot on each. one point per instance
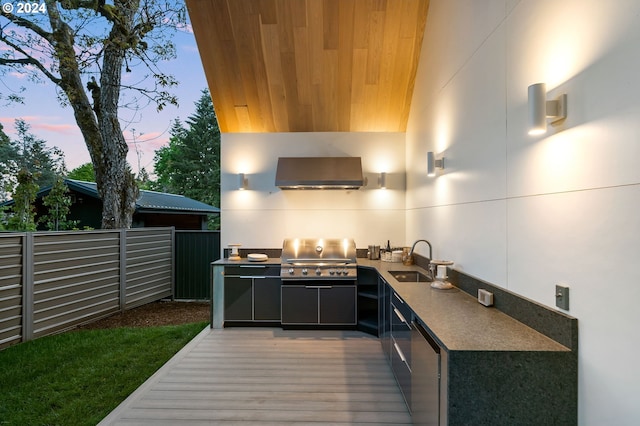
(38, 123)
(66, 129)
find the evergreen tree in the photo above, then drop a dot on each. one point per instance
(31, 154)
(23, 216)
(83, 172)
(44, 163)
(190, 164)
(8, 154)
(58, 203)
(143, 180)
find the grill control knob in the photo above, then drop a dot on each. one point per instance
(304, 271)
(291, 271)
(318, 271)
(332, 271)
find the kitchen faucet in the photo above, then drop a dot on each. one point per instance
(414, 246)
(409, 259)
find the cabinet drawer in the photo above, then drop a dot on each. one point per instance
(401, 317)
(403, 308)
(252, 270)
(401, 371)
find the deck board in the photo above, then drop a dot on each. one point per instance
(250, 376)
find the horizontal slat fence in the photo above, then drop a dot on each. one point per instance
(11, 273)
(75, 278)
(149, 266)
(53, 281)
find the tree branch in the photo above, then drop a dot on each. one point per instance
(107, 11)
(24, 23)
(27, 60)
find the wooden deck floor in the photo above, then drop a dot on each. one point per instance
(248, 376)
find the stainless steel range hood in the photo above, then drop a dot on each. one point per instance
(319, 173)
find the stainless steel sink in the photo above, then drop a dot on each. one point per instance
(410, 276)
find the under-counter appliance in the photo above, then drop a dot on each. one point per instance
(318, 282)
(425, 377)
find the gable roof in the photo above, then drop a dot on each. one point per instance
(148, 201)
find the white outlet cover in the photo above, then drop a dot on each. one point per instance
(485, 297)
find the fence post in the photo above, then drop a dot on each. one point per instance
(123, 269)
(27, 287)
(173, 263)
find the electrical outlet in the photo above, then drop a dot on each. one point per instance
(485, 297)
(562, 297)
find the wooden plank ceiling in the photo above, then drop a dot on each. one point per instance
(310, 65)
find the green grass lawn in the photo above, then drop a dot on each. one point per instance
(77, 378)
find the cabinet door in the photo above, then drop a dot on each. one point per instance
(266, 299)
(368, 299)
(338, 305)
(384, 321)
(237, 299)
(299, 305)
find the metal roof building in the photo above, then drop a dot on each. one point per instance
(152, 208)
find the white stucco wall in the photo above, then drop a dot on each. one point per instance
(263, 215)
(527, 213)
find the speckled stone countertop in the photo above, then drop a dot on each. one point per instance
(458, 321)
(455, 318)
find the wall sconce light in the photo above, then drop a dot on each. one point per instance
(243, 182)
(382, 180)
(540, 109)
(433, 164)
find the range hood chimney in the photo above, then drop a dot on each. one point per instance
(319, 173)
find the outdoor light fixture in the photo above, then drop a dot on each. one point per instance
(433, 164)
(540, 109)
(382, 180)
(243, 182)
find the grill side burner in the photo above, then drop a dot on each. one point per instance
(318, 259)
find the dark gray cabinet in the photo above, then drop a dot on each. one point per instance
(319, 304)
(401, 317)
(368, 300)
(384, 316)
(238, 301)
(252, 293)
(266, 299)
(337, 305)
(299, 305)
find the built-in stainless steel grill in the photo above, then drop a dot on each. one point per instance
(318, 258)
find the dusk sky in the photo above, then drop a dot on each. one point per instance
(56, 125)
